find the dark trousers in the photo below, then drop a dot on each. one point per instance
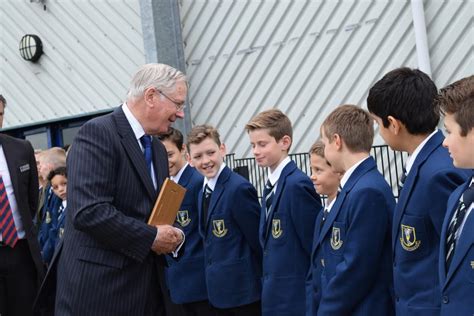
(201, 308)
(253, 309)
(18, 280)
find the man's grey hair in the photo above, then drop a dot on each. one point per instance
(3, 101)
(159, 76)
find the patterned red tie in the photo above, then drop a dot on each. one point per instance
(7, 225)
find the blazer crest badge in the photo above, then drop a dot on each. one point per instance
(219, 228)
(336, 241)
(183, 218)
(276, 228)
(408, 239)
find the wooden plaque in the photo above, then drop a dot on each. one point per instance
(167, 204)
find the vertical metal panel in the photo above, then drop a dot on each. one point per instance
(307, 57)
(91, 48)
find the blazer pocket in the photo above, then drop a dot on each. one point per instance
(413, 242)
(102, 257)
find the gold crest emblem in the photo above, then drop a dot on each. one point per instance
(336, 241)
(408, 239)
(183, 218)
(276, 228)
(48, 217)
(472, 264)
(219, 228)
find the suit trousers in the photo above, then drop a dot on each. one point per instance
(18, 280)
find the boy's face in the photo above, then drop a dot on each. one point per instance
(44, 168)
(207, 157)
(59, 186)
(176, 157)
(332, 152)
(267, 151)
(461, 148)
(325, 180)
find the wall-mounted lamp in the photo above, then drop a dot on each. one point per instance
(31, 47)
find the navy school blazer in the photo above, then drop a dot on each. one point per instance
(286, 238)
(351, 266)
(231, 248)
(457, 284)
(416, 228)
(185, 277)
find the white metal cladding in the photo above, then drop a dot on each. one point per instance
(91, 48)
(306, 57)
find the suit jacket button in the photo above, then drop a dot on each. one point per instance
(445, 299)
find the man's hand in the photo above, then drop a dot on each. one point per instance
(167, 239)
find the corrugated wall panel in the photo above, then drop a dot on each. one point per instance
(90, 50)
(304, 57)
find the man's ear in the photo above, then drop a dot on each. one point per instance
(148, 96)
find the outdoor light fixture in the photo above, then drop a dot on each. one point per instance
(31, 47)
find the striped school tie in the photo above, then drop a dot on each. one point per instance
(455, 224)
(7, 225)
(268, 194)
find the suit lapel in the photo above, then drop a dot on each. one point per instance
(287, 170)
(217, 193)
(363, 168)
(131, 147)
(160, 162)
(433, 143)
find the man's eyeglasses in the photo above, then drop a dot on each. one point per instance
(180, 106)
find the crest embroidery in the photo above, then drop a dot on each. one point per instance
(219, 228)
(336, 241)
(276, 228)
(408, 239)
(183, 218)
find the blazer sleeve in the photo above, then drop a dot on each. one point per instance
(92, 186)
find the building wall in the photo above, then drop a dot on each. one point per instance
(307, 57)
(90, 50)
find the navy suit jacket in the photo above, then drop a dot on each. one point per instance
(351, 263)
(21, 164)
(457, 284)
(416, 228)
(106, 266)
(230, 233)
(286, 238)
(185, 278)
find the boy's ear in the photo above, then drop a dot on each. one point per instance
(336, 138)
(222, 149)
(286, 142)
(395, 126)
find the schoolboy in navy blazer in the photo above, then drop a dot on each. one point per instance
(351, 250)
(286, 227)
(456, 256)
(230, 229)
(402, 103)
(185, 278)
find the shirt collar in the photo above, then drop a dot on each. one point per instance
(349, 172)
(275, 175)
(178, 175)
(211, 183)
(134, 123)
(411, 158)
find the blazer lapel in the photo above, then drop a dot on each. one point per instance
(217, 193)
(433, 143)
(287, 170)
(363, 168)
(130, 144)
(185, 176)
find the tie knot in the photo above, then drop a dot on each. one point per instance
(146, 141)
(468, 195)
(207, 191)
(269, 185)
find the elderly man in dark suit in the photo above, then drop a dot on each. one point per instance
(109, 260)
(21, 267)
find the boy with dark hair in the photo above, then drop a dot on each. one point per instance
(351, 248)
(185, 278)
(402, 104)
(289, 208)
(228, 222)
(456, 256)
